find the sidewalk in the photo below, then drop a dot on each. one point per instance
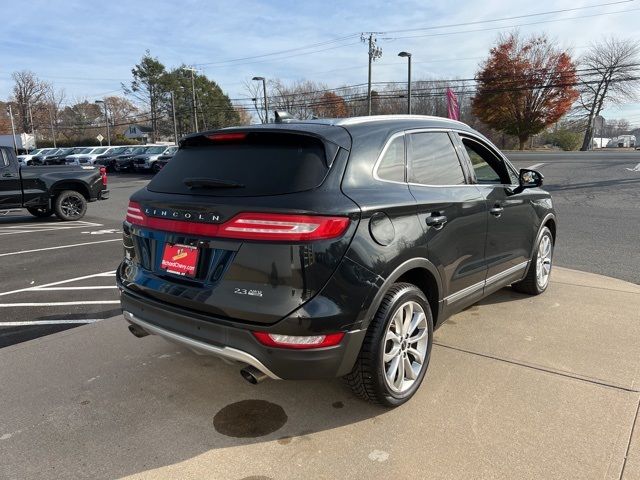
(519, 387)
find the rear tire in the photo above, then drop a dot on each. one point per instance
(539, 273)
(373, 377)
(70, 205)
(40, 212)
(155, 168)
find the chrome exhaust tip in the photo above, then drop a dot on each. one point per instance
(137, 331)
(253, 375)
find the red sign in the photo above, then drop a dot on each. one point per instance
(180, 259)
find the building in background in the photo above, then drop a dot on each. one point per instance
(622, 141)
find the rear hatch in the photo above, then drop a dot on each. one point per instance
(242, 225)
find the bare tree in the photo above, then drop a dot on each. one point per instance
(611, 74)
(28, 90)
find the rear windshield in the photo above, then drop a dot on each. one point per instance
(256, 164)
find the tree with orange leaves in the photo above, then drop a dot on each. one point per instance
(330, 105)
(524, 86)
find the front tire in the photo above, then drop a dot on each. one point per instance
(396, 350)
(70, 205)
(537, 279)
(40, 212)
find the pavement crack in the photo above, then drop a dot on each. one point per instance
(540, 368)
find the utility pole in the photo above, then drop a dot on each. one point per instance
(53, 131)
(33, 131)
(375, 52)
(175, 125)
(13, 130)
(193, 98)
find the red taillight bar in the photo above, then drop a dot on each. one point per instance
(250, 226)
(298, 342)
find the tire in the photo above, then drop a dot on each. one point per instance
(369, 377)
(70, 205)
(539, 273)
(40, 212)
(155, 168)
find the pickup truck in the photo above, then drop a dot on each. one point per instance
(43, 191)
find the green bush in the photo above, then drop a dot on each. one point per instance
(565, 139)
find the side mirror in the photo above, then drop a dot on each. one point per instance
(530, 179)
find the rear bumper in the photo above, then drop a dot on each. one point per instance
(216, 338)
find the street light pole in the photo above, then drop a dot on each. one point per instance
(266, 102)
(193, 98)
(408, 56)
(106, 119)
(53, 131)
(33, 131)
(13, 129)
(173, 111)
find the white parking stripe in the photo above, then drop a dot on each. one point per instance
(49, 322)
(29, 289)
(59, 304)
(534, 166)
(52, 289)
(59, 247)
(44, 227)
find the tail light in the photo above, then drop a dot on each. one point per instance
(103, 174)
(250, 226)
(298, 342)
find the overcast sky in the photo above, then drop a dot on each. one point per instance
(88, 48)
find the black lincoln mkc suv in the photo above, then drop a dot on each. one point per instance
(330, 248)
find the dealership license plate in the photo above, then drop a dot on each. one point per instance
(180, 260)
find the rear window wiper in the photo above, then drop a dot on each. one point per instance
(210, 183)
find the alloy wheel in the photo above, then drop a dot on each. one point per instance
(71, 206)
(543, 261)
(405, 346)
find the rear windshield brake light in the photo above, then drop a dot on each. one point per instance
(250, 226)
(227, 137)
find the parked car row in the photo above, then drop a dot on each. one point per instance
(114, 158)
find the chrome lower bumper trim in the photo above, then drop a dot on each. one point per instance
(202, 347)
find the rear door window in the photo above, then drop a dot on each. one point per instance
(433, 160)
(244, 164)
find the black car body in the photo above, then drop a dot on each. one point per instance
(147, 160)
(60, 158)
(40, 158)
(162, 160)
(124, 162)
(63, 190)
(108, 159)
(311, 231)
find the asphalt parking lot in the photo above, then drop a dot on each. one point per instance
(58, 275)
(518, 387)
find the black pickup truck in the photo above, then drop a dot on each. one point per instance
(63, 190)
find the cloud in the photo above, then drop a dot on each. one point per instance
(89, 48)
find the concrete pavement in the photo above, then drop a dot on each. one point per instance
(518, 387)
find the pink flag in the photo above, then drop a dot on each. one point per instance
(453, 108)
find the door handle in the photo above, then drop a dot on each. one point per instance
(436, 221)
(496, 211)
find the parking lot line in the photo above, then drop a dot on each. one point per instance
(59, 247)
(50, 322)
(60, 282)
(60, 304)
(95, 287)
(44, 227)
